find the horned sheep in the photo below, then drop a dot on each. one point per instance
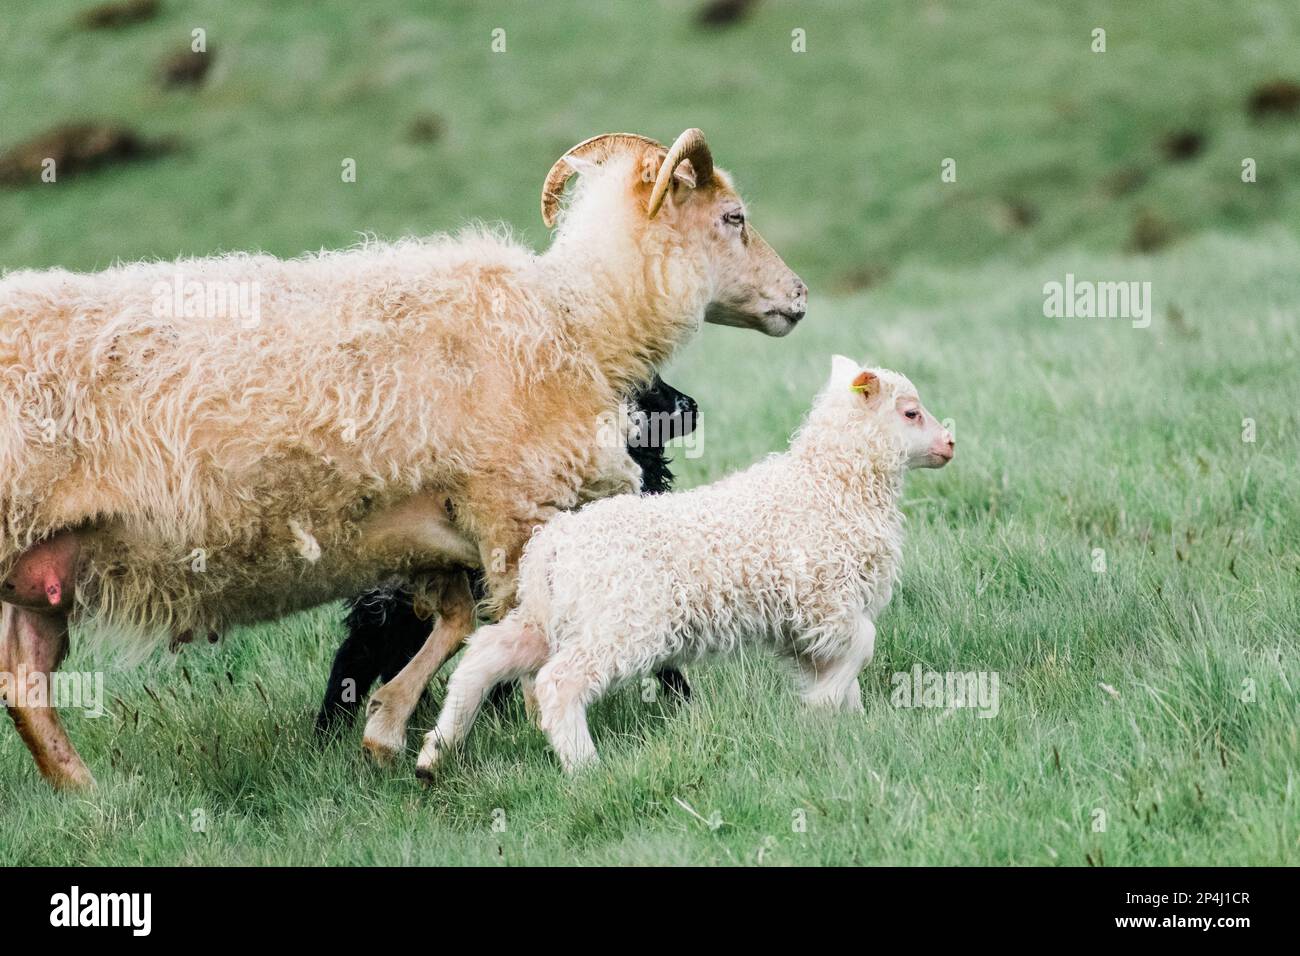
(407, 407)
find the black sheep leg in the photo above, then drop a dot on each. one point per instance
(353, 673)
(384, 633)
(673, 683)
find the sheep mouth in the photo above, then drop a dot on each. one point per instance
(779, 323)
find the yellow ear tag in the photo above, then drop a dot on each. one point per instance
(865, 382)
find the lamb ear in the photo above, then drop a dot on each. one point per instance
(843, 369)
(867, 383)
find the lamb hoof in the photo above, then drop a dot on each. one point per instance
(531, 709)
(674, 684)
(573, 766)
(430, 754)
(424, 775)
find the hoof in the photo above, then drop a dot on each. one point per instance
(424, 775)
(430, 755)
(73, 781)
(383, 752)
(381, 738)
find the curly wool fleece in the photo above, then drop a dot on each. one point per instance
(800, 553)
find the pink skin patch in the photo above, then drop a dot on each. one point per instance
(44, 575)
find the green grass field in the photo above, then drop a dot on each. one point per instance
(1074, 435)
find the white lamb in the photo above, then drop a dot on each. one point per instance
(800, 553)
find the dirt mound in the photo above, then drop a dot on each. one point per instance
(185, 69)
(1182, 145)
(722, 13)
(1275, 98)
(1151, 231)
(426, 128)
(119, 13)
(75, 148)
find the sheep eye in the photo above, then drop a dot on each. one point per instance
(734, 218)
(912, 413)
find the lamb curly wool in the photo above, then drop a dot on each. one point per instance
(799, 553)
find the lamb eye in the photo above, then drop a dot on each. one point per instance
(734, 218)
(912, 413)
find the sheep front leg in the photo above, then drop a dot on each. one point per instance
(502, 512)
(502, 517)
(832, 683)
(615, 472)
(35, 642)
(390, 706)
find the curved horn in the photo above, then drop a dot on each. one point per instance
(690, 145)
(597, 150)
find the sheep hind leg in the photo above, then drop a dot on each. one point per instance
(390, 707)
(499, 652)
(565, 688)
(35, 642)
(833, 684)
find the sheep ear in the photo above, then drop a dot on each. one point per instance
(650, 163)
(867, 383)
(578, 164)
(685, 173)
(843, 369)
